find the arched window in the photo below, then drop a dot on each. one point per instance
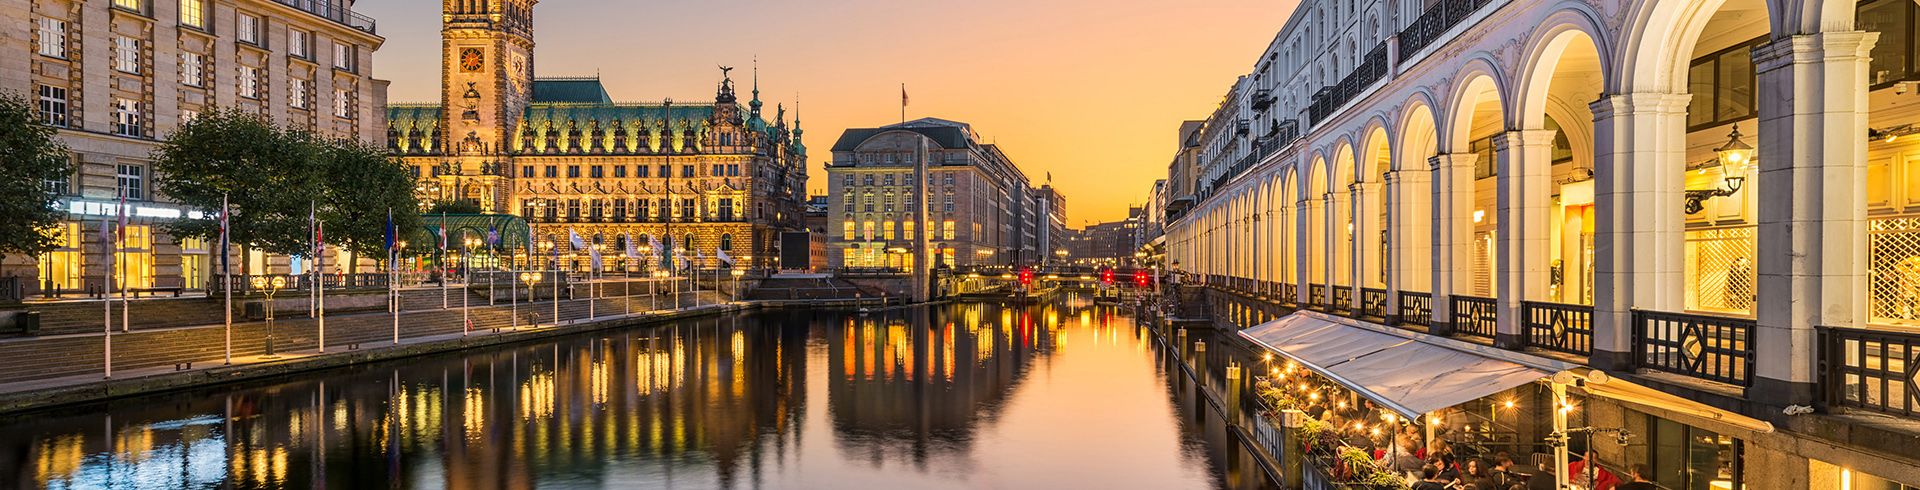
(688, 244)
(726, 241)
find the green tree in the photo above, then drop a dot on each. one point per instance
(29, 159)
(267, 176)
(453, 206)
(364, 184)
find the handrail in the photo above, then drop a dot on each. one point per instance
(1473, 315)
(1558, 327)
(1416, 308)
(1713, 348)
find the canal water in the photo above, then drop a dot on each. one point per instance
(1053, 395)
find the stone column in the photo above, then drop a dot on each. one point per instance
(1525, 185)
(1639, 223)
(1812, 183)
(1410, 221)
(1452, 234)
(1322, 206)
(1303, 270)
(1366, 237)
(1340, 265)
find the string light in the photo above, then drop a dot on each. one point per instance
(1509, 404)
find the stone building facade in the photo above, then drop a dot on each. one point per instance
(1566, 177)
(982, 207)
(560, 152)
(117, 76)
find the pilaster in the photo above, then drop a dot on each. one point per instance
(1640, 225)
(1452, 233)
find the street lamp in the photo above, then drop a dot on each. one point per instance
(270, 286)
(737, 274)
(1734, 157)
(529, 278)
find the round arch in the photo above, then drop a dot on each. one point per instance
(1480, 92)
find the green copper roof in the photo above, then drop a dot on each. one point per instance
(571, 90)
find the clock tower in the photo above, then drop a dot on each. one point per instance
(487, 69)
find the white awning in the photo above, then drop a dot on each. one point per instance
(1410, 376)
(1415, 374)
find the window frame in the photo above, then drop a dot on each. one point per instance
(58, 28)
(1753, 110)
(46, 104)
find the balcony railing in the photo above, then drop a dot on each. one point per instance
(1473, 315)
(1342, 298)
(1373, 303)
(1558, 327)
(1416, 308)
(1436, 21)
(1332, 97)
(243, 284)
(1870, 370)
(335, 10)
(1713, 348)
(1317, 295)
(1262, 99)
(1289, 294)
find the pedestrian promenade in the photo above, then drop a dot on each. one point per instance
(67, 366)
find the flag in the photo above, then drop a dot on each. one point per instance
(632, 251)
(225, 241)
(106, 239)
(574, 238)
(493, 236)
(593, 257)
(903, 95)
(390, 231)
(722, 256)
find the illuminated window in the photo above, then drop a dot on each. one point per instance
(300, 44)
(886, 230)
(946, 230)
(866, 230)
(60, 269)
(193, 13)
(247, 29)
(846, 227)
(139, 6)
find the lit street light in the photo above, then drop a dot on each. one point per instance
(270, 286)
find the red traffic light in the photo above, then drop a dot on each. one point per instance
(1026, 276)
(1106, 276)
(1141, 279)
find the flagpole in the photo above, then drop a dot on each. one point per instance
(320, 278)
(119, 245)
(393, 275)
(106, 323)
(226, 276)
(442, 263)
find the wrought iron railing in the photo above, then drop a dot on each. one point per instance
(1289, 294)
(1330, 98)
(1373, 302)
(1474, 315)
(12, 289)
(243, 284)
(1557, 327)
(1713, 348)
(1434, 22)
(1342, 298)
(1317, 295)
(1870, 370)
(1416, 308)
(335, 10)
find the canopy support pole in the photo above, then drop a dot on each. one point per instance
(1560, 403)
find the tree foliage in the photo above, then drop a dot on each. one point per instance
(453, 206)
(29, 158)
(272, 178)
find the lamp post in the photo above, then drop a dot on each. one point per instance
(530, 278)
(737, 274)
(270, 286)
(1734, 157)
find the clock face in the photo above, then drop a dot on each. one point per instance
(470, 59)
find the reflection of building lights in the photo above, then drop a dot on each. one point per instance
(1479, 215)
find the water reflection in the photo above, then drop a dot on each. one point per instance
(959, 396)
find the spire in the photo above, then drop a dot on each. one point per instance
(796, 115)
(725, 95)
(754, 105)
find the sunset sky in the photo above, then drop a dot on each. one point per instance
(1090, 91)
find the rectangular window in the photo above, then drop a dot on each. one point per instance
(53, 37)
(686, 171)
(886, 230)
(946, 230)
(906, 229)
(131, 182)
(641, 171)
(665, 171)
(947, 203)
(63, 185)
(127, 118)
(526, 172)
(126, 54)
(619, 171)
(846, 180)
(53, 106)
(573, 209)
(138, 6)
(1723, 85)
(187, 116)
(193, 13)
(686, 207)
(846, 228)
(249, 82)
(726, 209)
(553, 172)
(595, 172)
(299, 44)
(1893, 54)
(643, 209)
(573, 171)
(733, 170)
(344, 57)
(192, 67)
(299, 95)
(866, 230)
(248, 28)
(666, 208)
(343, 103)
(717, 170)
(866, 179)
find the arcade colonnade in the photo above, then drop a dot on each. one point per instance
(1570, 176)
